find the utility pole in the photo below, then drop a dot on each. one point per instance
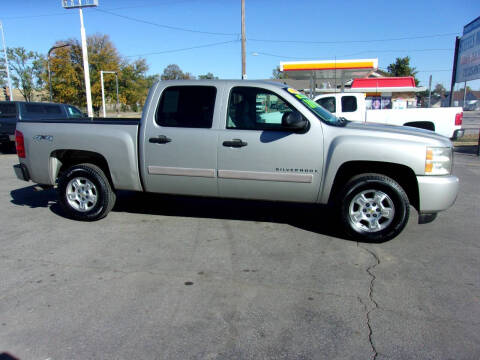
(71, 4)
(6, 63)
(244, 69)
(454, 70)
(430, 92)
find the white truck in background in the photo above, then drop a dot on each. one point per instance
(445, 121)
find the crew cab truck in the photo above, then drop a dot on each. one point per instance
(445, 121)
(12, 111)
(210, 138)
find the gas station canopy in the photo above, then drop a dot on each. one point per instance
(337, 71)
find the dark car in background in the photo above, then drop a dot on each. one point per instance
(12, 111)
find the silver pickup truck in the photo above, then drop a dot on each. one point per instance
(248, 140)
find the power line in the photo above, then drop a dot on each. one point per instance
(429, 71)
(351, 41)
(185, 49)
(152, 5)
(422, 71)
(166, 26)
(358, 53)
(386, 51)
(118, 8)
(35, 16)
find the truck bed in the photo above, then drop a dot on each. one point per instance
(114, 139)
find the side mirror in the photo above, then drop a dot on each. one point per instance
(294, 120)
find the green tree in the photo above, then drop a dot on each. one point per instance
(277, 74)
(68, 80)
(134, 83)
(26, 69)
(173, 72)
(207, 76)
(401, 67)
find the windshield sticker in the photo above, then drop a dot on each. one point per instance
(310, 103)
(292, 91)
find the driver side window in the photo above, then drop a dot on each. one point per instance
(252, 108)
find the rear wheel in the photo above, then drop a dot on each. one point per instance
(85, 193)
(373, 207)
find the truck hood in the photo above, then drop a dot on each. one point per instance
(405, 132)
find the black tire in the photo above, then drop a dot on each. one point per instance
(7, 147)
(93, 178)
(365, 188)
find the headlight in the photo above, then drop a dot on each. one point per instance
(438, 161)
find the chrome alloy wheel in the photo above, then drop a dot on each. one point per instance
(81, 194)
(371, 211)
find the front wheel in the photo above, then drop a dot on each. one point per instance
(85, 193)
(373, 207)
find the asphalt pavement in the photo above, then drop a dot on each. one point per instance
(187, 278)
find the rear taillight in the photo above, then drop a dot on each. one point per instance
(458, 119)
(20, 144)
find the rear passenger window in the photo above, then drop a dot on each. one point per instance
(34, 108)
(327, 103)
(52, 109)
(187, 106)
(42, 109)
(349, 104)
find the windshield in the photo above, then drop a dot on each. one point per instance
(321, 113)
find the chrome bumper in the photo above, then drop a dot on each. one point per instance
(437, 193)
(457, 134)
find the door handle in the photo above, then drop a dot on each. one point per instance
(160, 139)
(236, 143)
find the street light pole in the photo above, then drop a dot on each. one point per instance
(72, 4)
(86, 68)
(48, 67)
(6, 63)
(103, 90)
(244, 67)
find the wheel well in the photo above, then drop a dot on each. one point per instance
(65, 159)
(400, 173)
(427, 125)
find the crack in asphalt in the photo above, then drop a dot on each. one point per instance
(370, 297)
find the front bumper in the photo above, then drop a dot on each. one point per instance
(22, 172)
(437, 193)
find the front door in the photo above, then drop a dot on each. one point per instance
(180, 146)
(258, 158)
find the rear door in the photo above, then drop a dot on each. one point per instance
(179, 144)
(258, 158)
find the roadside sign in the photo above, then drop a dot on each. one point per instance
(468, 58)
(72, 4)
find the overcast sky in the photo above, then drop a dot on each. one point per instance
(276, 31)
